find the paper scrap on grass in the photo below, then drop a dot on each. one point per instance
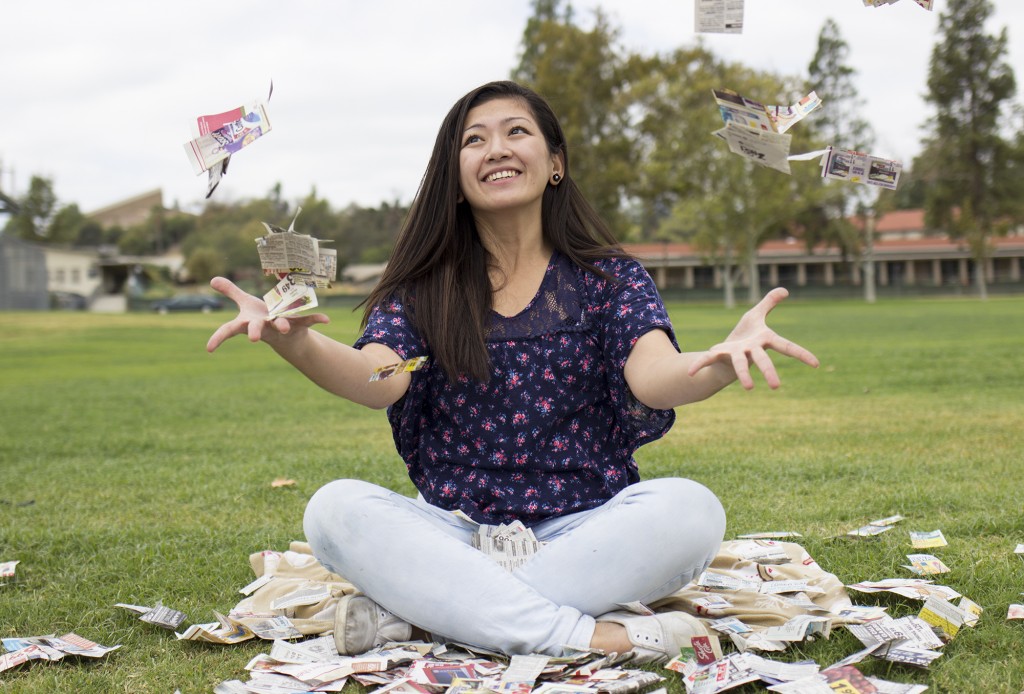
(730, 625)
(717, 581)
(636, 607)
(861, 613)
(25, 649)
(906, 631)
(769, 535)
(846, 679)
(223, 631)
(309, 594)
(712, 580)
(713, 605)
(926, 564)
(945, 616)
(923, 540)
(913, 588)
(718, 16)
(216, 137)
(888, 520)
(256, 584)
(282, 482)
(413, 364)
(704, 649)
(268, 628)
(972, 609)
(462, 670)
(762, 552)
(803, 627)
(527, 668)
(876, 527)
(869, 530)
(159, 615)
(7, 569)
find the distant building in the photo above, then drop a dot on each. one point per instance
(73, 270)
(129, 212)
(97, 278)
(22, 276)
(361, 277)
(905, 252)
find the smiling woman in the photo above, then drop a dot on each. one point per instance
(551, 359)
(505, 163)
(504, 167)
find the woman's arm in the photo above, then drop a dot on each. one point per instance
(662, 378)
(332, 365)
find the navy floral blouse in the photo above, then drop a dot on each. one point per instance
(554, 430)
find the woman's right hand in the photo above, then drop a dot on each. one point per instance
(252, 318)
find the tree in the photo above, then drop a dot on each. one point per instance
(672, 93)
(67, 224)
(35, 210)
(912, 191)
(970, 165)
(837, 123)
(204, 263)
(39, 217)
(586, 79)
(367, 234)
(228, 232)
(838, 120)
(692, 187)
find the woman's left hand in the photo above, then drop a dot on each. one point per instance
(748, 342)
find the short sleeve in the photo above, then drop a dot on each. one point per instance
(389, 325)
(631, 307)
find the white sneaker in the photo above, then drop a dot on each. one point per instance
(658, 637)
(360, 624)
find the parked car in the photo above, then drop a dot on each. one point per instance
(189, 302)
(68, 301)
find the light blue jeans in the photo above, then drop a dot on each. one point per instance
(416, 560)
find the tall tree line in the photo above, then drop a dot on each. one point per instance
(639, 132)
(638, 128)
(972, 164)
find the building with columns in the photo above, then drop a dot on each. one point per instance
(906, 257)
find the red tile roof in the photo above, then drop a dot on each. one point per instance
(895, 222)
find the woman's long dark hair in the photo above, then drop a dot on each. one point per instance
(439, 268)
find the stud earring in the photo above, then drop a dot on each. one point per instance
(555, 178)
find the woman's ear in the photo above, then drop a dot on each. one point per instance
(557, 168)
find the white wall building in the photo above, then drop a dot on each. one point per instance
(73, 270)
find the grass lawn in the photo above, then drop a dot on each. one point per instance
(137, 467)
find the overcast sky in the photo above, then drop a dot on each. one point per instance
(100, 97)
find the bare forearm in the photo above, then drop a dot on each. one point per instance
(666, 383)
(339, 368)
(662, 378)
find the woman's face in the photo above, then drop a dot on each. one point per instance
(504, 160)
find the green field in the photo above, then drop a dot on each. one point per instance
(136, 468)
